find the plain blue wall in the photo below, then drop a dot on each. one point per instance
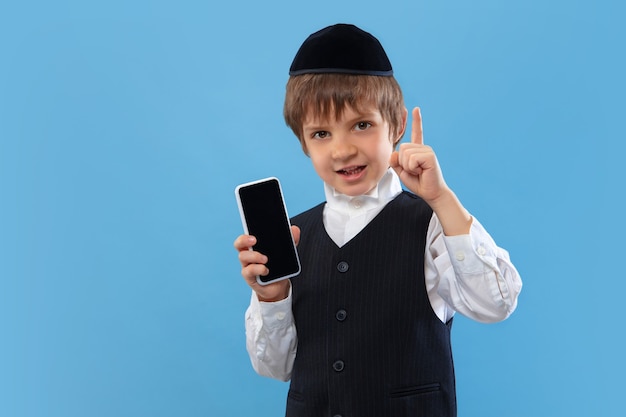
(125, 127)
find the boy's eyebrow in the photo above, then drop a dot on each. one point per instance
(362, 116)
(316, 126)
(321, 125)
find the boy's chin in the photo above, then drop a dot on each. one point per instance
(355, 190)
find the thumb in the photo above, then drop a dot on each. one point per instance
(394, 160)
(295, 231)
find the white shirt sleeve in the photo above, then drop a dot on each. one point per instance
(469, 274)
(271, 338)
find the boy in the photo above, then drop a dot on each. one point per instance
(364, 330)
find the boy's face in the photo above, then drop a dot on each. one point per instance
(350, 153)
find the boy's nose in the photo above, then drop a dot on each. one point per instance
(343, 149)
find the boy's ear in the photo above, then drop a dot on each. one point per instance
(401, 127)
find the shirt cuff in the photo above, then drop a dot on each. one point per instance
(273, 315)
(469, 253)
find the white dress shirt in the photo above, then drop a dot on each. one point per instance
(468, 274)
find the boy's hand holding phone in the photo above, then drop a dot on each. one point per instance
(267, 249)
(253, 265)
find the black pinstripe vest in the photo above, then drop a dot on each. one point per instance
(369, 343)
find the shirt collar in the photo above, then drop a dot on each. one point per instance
(387, 188)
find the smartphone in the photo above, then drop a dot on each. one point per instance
(264, 216)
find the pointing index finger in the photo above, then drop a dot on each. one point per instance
(417, 135)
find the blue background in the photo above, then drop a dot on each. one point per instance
(125, 127)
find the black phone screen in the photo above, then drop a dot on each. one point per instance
(265, 216)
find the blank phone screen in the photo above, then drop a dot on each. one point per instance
(266, 219)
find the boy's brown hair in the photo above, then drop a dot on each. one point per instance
(322, 94)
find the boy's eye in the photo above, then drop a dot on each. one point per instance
(362, 125)
(322, 134)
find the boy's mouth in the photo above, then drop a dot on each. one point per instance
(350, 171)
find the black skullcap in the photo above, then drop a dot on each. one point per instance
(343, 49)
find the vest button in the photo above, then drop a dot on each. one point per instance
(338, 366)
(341, 315)
(343, 266)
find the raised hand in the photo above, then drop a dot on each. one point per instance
(417, 166)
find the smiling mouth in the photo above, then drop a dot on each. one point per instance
(351, 170)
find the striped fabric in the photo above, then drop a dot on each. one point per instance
(369, 343)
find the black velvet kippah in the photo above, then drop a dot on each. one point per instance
(343, 49)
